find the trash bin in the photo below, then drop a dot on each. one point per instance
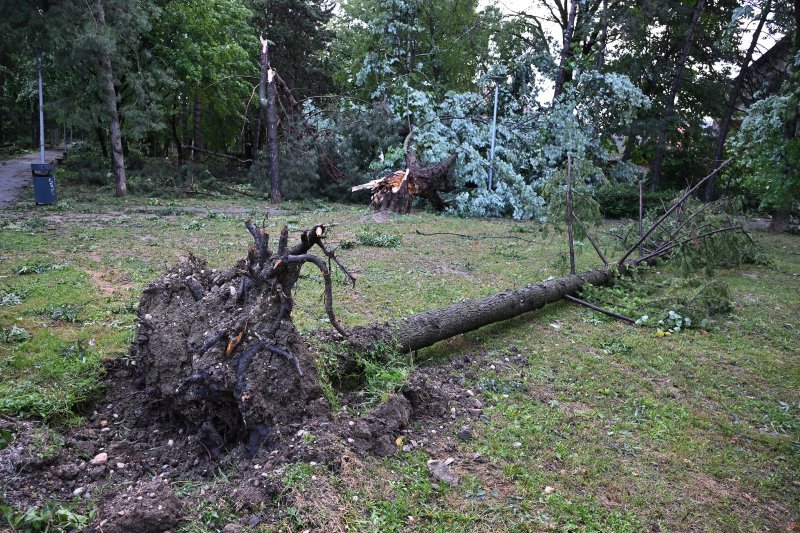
(44, 183)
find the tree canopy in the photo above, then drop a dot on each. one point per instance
(643, 90)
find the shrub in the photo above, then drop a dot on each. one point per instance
(378, 239)
(621, 200)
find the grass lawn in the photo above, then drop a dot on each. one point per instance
(607, 427)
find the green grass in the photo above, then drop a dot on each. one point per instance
(629, 430)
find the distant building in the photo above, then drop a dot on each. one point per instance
(766, 74)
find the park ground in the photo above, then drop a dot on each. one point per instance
(587, 423)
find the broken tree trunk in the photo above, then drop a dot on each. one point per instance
(266, 98)
(396, 192)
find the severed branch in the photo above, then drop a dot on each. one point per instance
(599, 309)
(669, 211)
(666, 249)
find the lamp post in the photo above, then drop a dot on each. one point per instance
(497, 80)
(41, 112)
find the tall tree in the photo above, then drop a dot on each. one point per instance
(106, 75)
(568, 33)
(669, 104)
(733, 97)
(267, 96)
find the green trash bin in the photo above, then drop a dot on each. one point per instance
(44, 183)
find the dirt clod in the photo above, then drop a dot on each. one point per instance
(147, 507)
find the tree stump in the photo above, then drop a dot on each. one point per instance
(396, 192)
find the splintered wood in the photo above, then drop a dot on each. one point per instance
(392, 181)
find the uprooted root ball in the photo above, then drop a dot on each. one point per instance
(217, 350)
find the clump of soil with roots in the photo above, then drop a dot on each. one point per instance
(218, 352)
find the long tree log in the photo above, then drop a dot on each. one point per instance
(429, 327)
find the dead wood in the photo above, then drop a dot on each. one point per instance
(396, 192)
(222, 156)
(669, 211)
(599, 309)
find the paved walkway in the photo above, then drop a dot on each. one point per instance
(16, 173)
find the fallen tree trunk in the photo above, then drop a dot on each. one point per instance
(429, 327)
(218, 352)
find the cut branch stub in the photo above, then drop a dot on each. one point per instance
(218, 350)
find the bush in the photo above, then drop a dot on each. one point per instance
(621, 200)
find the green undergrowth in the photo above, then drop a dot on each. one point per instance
(591, 424)
(375, 374)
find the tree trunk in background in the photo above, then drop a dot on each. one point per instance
(198, 112)
(114, 129)
(782, 217)
(567, 43)
(186, 140)
(725, 124)
(101, 138)
(266, 97)
(34, 128)
(780, 220)
(257, 134)
(601, 52)
(669, 105)
(176, 138)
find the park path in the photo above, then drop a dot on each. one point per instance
(16, 173)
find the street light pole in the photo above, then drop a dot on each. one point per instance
(41, 113)
(494, 131)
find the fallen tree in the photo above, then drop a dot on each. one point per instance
(396, 192)
(218, 352)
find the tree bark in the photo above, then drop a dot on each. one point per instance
(427, 328)
(601, 52)
(725, 124)
(114, 129)
(198, 112)
(669, 104)
(565, 50)
(266, 97)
